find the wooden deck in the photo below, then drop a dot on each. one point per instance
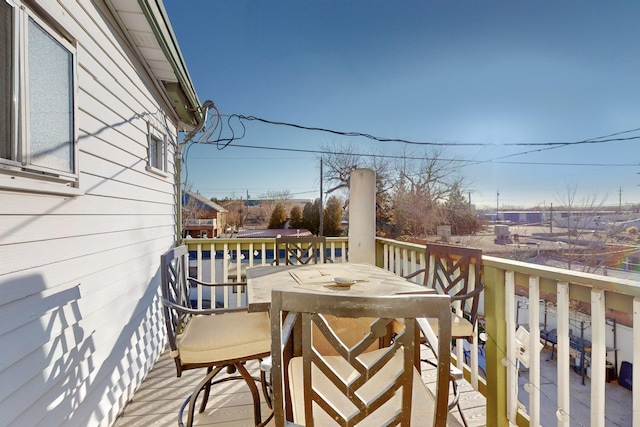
(158, 401)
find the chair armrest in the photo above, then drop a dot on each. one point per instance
(471, 294)
(199, 282)
(187, 310)
(415, 273)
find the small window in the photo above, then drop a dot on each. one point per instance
(157, 150)
(37, 109)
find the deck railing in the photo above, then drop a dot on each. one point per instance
(196, 222)
(507, 282)
(507, 285)
(226, 260)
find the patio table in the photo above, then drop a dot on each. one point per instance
(365, 279)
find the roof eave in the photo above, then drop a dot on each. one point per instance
(182, 94)
(146, 26)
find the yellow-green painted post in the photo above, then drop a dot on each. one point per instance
(494, 308)
(379, 253)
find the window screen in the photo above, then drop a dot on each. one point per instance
(50, 101)
(6, 79)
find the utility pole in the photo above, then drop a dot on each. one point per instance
(620, 202)
(321, 226)
(497, 204)
(551, 218)
(246, 210)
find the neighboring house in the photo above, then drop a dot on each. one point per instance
(201, 217)
(93, 94)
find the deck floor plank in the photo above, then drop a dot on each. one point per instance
(157, 402)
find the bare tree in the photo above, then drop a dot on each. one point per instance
(340, 160)
(584, 245)
(410, 191)
(418, 188)
(190, 211)
(338, 163)
(237, 211)
(432, 178)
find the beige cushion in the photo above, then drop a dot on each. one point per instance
(221, 337)
(349, 329)
(423, 406)
(460, 327)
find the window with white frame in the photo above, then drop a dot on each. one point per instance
(157, 150)
(37, 101)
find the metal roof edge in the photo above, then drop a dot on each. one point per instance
(183, 95)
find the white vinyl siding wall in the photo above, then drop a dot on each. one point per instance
(80, 320)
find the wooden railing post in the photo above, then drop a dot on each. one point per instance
(494, 307)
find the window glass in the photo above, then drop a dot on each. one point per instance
(50, 83)
(156, 152)
(6, 81)
(153, 151)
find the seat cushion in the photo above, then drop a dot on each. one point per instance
(460, 327)
(349, 329)
(423, 406)
(223, 337)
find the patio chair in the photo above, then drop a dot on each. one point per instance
(455, 271)
(301, 250)
(213, 339)
(357, 386)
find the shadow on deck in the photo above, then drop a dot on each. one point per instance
(158, 400)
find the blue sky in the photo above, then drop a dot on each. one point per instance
(493, 73)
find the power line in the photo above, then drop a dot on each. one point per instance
(352, 134)
(223, 143)
(596, 140)
(254, 189)
(387, 156)
(587, 141)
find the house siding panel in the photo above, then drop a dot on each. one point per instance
(83, 225)
(80, 319)
(29, 204)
